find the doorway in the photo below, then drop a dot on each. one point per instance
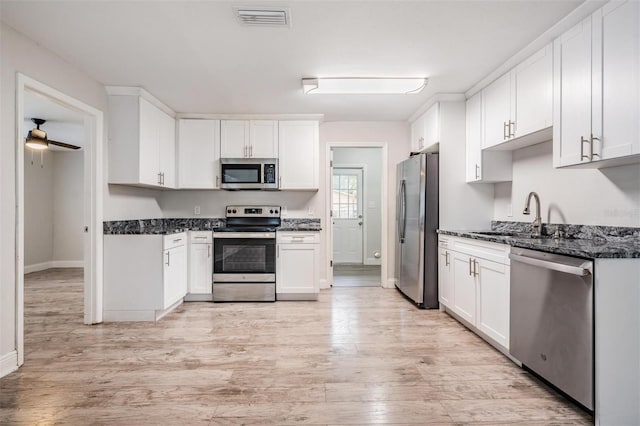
(356, 216)
(87, 224)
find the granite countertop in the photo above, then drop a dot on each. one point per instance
(167, 226)
(591, 242)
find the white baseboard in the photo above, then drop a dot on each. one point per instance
(372, 261)
(53, 264)
(8, 363)
(391, 283)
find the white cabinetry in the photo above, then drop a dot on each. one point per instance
(596, 80)
(200, 265)
(297, 265)
(174, 269)
(425, 130)
(483, 165)
(299, 155)
(145, 276)
(198, 154)
(474, 285)
(249, 139)
(141, 143)
(517, 107)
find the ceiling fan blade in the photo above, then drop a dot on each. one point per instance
(63, 145)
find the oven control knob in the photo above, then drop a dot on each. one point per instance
(271, 211)
(234, 211)
(229, 211)
(276, 211)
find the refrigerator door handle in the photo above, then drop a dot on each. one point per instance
(404, 211)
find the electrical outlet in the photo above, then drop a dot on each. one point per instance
(310, 211)
(196, 210)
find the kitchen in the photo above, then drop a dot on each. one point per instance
(468, 206)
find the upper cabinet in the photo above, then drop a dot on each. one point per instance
(249, 139)
(141, 142)
(517, 107)
(425, 130)
(198, 154)
(299, 155)
(597, 86)
(483, 165)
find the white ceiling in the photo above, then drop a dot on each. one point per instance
(63, 124)
(197, 58)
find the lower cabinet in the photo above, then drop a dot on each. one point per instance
(474, 285)
(297, 265)
(145, 276)
(200, 266)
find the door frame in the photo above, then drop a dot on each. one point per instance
(384, 214)
(93, 202)
(363, 200)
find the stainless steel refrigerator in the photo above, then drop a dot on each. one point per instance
(417, 222)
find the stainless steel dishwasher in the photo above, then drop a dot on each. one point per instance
(552, 319)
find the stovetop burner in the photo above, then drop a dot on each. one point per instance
(252, 219)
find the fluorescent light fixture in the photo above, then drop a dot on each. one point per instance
(363, 86)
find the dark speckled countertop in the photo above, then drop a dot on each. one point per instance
(591, 242)
(166, 226)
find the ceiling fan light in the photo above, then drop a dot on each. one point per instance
(37, 139)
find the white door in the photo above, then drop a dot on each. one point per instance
(464, 287)
(533, 82)
(493, 300)
(198, 154)
(445, 278)
(264, 139)
(346, 200)
(496, 99)
(167, 145)
(298, 154)
(149, 144)
(474, 138)
(200, 268)
(234, 138)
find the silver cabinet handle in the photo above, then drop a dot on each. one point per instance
(168, 258)
(582, 142)
(477, 171)
(475, 268)
(504, 130)
(470, 270)
(208, 250)
(177, 240)
(245, 151)
(217, 181)
(512, 125)
(582, 270)
(278, 253)
(159, 179)
(591, 144)
(279, 181)
(446, 258)
(200, 238)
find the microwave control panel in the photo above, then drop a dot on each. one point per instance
(269, 173)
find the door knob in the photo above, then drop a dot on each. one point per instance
(360, 223)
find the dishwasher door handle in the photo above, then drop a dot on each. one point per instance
(582, 270)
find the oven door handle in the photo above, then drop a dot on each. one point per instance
(245, 235)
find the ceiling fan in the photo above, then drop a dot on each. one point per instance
(37, 139)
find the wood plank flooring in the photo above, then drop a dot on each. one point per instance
(357, 356)
(356, 275)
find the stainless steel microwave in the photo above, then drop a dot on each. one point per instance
(249, 173)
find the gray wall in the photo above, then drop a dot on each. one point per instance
(68, 207)
(372, 185)
(579, 196)
(38, 208)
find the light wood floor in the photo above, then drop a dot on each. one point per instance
(357, 356)
(356, 276)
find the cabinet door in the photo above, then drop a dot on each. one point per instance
(200, 269)
(149, 143)
(464, 287)
(299, 154)
(474, 138)
(432, 125)
(263, 136)
(198, 154)
(417, 134)
(496, 107)
(572, 94)
(616, 108)
(167, 152)
(175, 275)
(533, 82)
(297, 268)
(445, 278)
(493, 300)
(234, 138)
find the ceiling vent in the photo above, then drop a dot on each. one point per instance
(267, 17)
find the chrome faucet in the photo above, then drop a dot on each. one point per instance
(537, 222)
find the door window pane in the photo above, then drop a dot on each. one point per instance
(345, 196)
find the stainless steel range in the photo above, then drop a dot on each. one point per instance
(244, 255)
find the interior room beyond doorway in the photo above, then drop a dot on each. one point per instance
(356, 203)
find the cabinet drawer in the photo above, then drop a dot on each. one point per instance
(298, 237)
(174, 240)
(201, 237)
(495, 252)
